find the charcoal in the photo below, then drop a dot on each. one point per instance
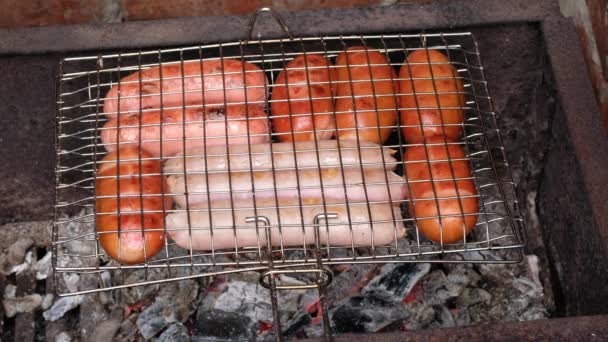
(298, 322)
(43, 267)
(13, 306)
(253, 300)
(366, 314)
(92, 315)
(395, 281)
(105, 297)
(422, 317)
(25, 266)
(462, 318)
(63, 337)
(518, 304)
(105, 330)
(137, 294)
(61, 306)
(527, 287)
(437, 289)
(127, 330)
(250, 298)
(47, 301)
(442, 317)
(220, 325)
(350, 282)
(15, 254)
(10, 291)
(71, 281)
(174, 333)
(472, 296)
(151, 321)
(182, 303)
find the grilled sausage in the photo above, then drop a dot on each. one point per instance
(365, 95)
(384, 226)
(301, 100)
(221, 83)
(281, 156)
(451, 189)
(128, 198)
(212, 126)
(288, 184)
(422, 85)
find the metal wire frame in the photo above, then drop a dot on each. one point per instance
(84, 82)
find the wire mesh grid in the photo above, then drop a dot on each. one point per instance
(194, 124)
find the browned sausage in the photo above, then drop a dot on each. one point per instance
(224, 83)
(421, 86)
(367, 104)
(305, 81)
(425, 195)
(212, 126)
(138, 190)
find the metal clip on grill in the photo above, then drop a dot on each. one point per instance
(140, 130)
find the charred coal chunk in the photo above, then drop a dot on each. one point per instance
(396, 282)
(215, 324)
(362, 314)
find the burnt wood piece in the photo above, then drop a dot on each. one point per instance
(588, 328)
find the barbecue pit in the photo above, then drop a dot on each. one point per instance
(531, 36)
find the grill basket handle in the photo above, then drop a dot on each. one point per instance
(276, 17)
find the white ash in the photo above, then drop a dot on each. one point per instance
(63, 337)
(61, 306)
(47, 301)
(71, 281)
(128, 329)
(105, 331)
(10, 291)
(174, 303)
(15, 305)
(27, 263)
(392, 296)
(92, 314)
(43, 267)
(533, 264)
(15, 256)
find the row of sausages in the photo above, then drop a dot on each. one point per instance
(311, 98)
(360, 106)
(135, 195)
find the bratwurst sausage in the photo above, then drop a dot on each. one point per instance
(128, 197)
(451, 190)
(211, 126)
(301, 100)
(384, 226)
(221, 82)
(289, 184)
(365, 95)
(433, 97)
(281, 156)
